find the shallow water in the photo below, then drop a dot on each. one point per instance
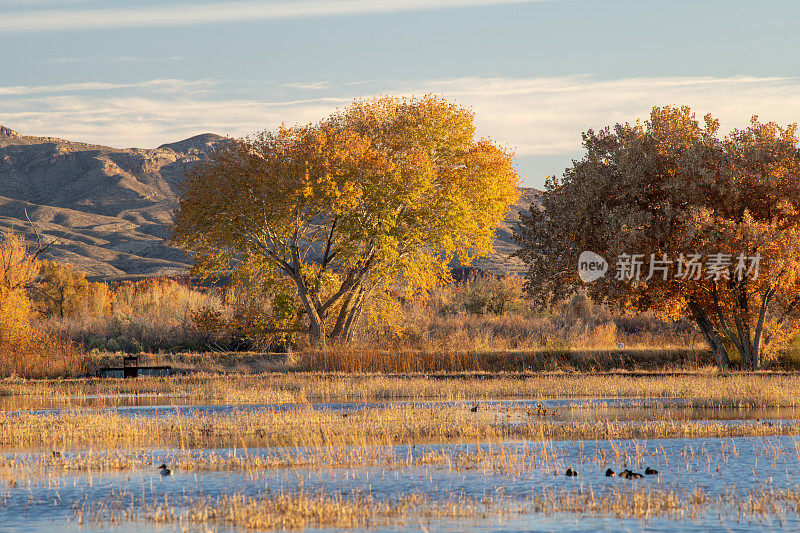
(512, 471)
(568, 409)
(715, 465)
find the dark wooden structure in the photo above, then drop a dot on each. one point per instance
(131, 369)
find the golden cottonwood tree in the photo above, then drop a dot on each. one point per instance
(61, 290)
(18, 269)
(669, 187)
(383, 193)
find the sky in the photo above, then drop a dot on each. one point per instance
(537, 73)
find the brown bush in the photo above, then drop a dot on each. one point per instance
(42, 355)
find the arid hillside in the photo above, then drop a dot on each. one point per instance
(110, 210)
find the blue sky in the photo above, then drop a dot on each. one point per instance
(536, 73)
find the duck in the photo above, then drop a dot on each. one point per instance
(164, 471)
(56, 454)
(610, 473)
(571, 473)
(631, 475)
(650, 471)
(474, 408)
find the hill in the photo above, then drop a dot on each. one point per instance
(111, 209)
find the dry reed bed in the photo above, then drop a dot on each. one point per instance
(306, 427)
(707, 389)
(510, 459)
(337, 510)
(288, 511)
(453, 356)
(651, 502)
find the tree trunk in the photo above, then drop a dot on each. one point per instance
(352, 319)
(744, 346)
(742, 321)
(316, 323)
(316, 331)
(61, 303)
(350, 307)
(710, 334)
(762, 311)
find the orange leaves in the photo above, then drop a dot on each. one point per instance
(671, 186)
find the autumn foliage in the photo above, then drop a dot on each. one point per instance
(23, 350)
(379, 196)
(672, 186)
(17, 271)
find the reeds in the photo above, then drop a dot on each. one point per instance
(510, 459)
(359, 358)
(306, 427)
(287, 511)
(358, 510)
(42, 355)
(695, 389)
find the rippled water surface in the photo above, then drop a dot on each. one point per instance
(731, 467)
(570, 409)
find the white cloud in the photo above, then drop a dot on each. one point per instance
(312, 86)
(537, 116)
(148, 121)
(542, 116)
(116, 59)
(192, 14)
(159, 85)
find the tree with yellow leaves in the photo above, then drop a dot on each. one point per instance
(61, 290)
(381, 194)
(18, 269)
(711, 225)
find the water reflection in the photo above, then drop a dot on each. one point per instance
(568, 409)
(717, 466)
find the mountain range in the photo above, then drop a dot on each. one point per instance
(109, 211)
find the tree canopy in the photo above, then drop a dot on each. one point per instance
(382, 194)
(711, 223)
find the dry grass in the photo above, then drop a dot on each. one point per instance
(650, 502)
(76, 430)
(705, 389)
(288, 511)
(42, 355)
(359, 358)
(511, 459)
(468, 317)
(621, 502)
(357, 510)
(142, 316)
(476, 322)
